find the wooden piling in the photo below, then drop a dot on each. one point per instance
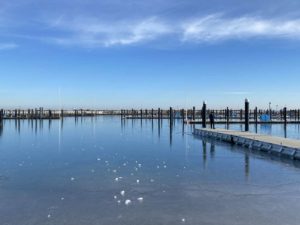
(171, 114)
(246, 115)
(194, 113)
(203, 112)
(158, 113)
(227, 115)
(285, 115)
(241, 115)
(1, 114)
(255, 116)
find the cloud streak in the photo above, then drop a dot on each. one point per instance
(91, 32)
(94, 32)
(8, 46)
(215, 28)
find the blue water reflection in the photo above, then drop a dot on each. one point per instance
(103, 170)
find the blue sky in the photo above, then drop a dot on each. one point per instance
(123, 54)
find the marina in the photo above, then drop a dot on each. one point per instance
(149, 112)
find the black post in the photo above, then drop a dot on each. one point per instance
(151, 113)
(171, 115)
(204, 115)
(256, 115)
(227, 115)
(194, 113)
(246, 115)
(158, 113)
(141, 113)
(1, 114)
(284, 115)
(241, 115)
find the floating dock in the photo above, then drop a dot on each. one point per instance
(243, 122)
(271, 144)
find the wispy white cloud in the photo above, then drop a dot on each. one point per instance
(91, 32)
(8, 46)
(95, 32)
(214, 28)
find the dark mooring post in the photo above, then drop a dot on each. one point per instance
(62, 113)
(203, 112)
(227, 115)
(246, 115)
(1, 115)
(152, 112)
(194, 113)
(256, 115)
(171, 115)
(158, 113)
(241, 115)
(284, 115)
(141, 114)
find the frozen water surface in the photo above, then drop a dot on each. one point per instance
(100, 170)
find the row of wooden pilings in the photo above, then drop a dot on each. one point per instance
(40, 113)
(244, 115)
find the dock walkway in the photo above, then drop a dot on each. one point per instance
(266, 143)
